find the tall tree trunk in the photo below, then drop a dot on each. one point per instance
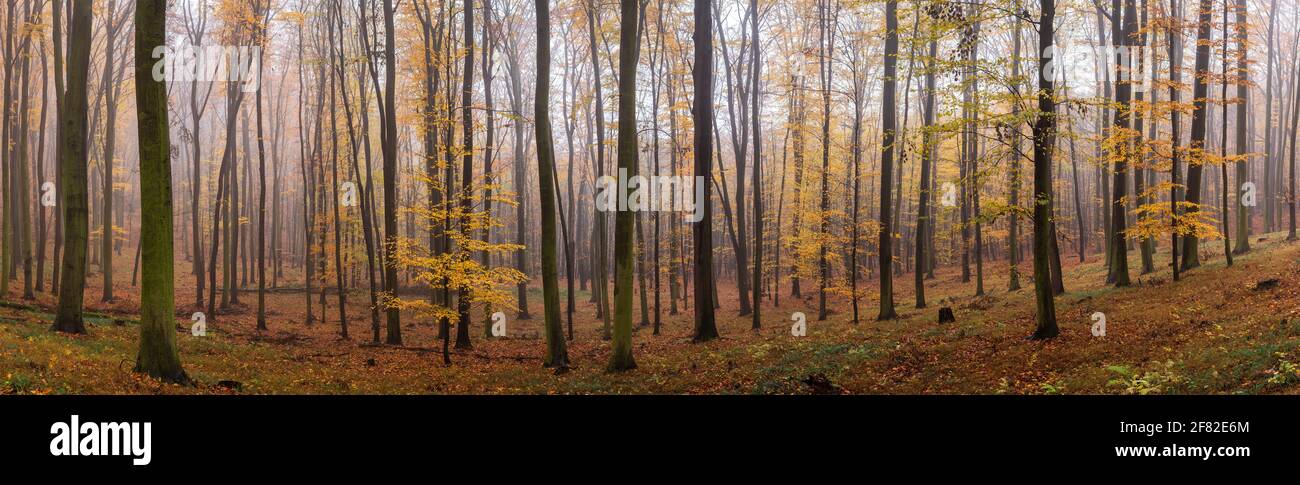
(927, 160)
(757, 185)
(1120, 143)
(467, 171)
(334, 175)
(1200, 119)
(1044, 136)
(706, 328)
(829, 27)
(1242, 79)
(557, 354)
(157, 356)
(1173, 41)
(110, 134)
(389, 113)
(1013, 252)
(624, 223)
(888, 147)
(600, 230)
(261, 170)
(72, 167)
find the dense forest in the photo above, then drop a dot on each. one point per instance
(502, 196)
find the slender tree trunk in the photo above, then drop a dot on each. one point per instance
(557, 355)
(1044, 134)
(467, 171)
(1243, 147)
(389, 113)
(706, 328)
(1200, 118)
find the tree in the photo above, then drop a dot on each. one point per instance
(829, 26)
(557, 355)
(73, 170)
(1044, 138)
(467, 170)
(889, 118)
(110, 138)
(624, 222)
(1121, 138)
(389, 112)
(1200, 118)
(921, 234)
(157, 357)
(706, 327)
(1295, 125)
(757, 185)
(1242, 144)
(1173, 40)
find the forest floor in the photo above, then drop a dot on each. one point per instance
(1218, 331)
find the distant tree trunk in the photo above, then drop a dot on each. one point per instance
(489, 148)
(1243, 148)
(757, 185)
(660, 73)
(675, 262)
(1044, 134)
(927, 159)
(157, 355)
(557, 355)
(60, 93)
(1295, 126)
(110, 135)
(1173, 41)
(261, 170)
(24, 186)
(367, 183)
(520, 180)
(306, 192)
(706, 328)
(1013, 235)
(334, 175)
(829, 23)
(1270, 177)
(41, 229)
(72, 167)
(570, 265)
(600, 230)
(1224, 188)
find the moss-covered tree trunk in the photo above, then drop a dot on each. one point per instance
(158, 356)
(72, 168)
(625, 221)
(557, 354)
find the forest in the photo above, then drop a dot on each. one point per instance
(649, 197)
